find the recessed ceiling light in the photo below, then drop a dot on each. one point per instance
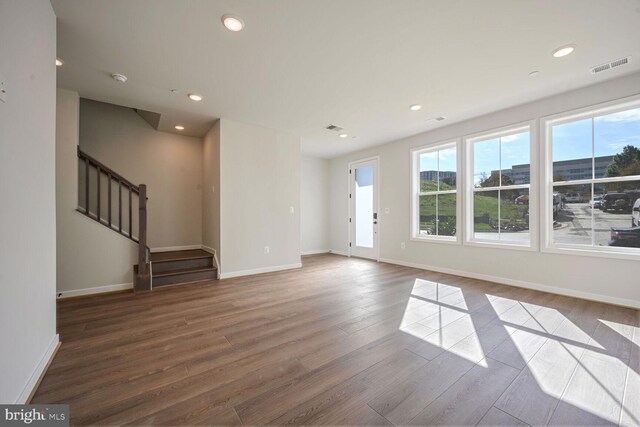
(120, 78)
(415, 107)
(343, 135)
(232, 23)
(563, 51)
(195, 97)
(179, 127)
(59, 62)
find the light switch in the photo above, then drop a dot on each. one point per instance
(291, 210)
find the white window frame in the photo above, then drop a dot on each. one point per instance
(547, 184)
(470, 190)
(415, 192)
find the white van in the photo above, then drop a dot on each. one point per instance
(574, 198)
(635, 214)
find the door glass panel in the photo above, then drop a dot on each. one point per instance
(364, 206)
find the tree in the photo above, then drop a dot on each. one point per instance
(625, 163)
(494, 180)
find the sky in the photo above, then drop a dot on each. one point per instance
(572, 140)
(610, 133)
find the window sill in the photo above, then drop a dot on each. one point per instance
(609, 252)
(436, 239)
(501, 245)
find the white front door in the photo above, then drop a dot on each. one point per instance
(363, 225)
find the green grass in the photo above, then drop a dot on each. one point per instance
(484, 206)
(433, 186)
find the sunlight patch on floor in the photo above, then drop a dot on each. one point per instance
(586, 371)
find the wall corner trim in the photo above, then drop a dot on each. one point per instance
(261, 270)
(341, 253)
(32, 384)
(315, 252)
(215, 256)
(521, 284)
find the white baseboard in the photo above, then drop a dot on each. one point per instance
(96, 290)
(38, 372)
(176, 248)
(215, 257)
(260, 270)
(333, 251)
(521, 284)
(208, 249)
(315, 252)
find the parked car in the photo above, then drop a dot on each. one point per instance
(573, 198)
(627, 237)
(635, 214)
(596, 202)
(618, 202)
(522, 200)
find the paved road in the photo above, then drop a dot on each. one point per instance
(575, 224)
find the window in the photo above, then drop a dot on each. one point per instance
(435, 193)
(498, 187)
(593, 179)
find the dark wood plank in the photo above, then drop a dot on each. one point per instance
(343, 342)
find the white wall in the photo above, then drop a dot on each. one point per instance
(169, 164)
(613, 280)
(211, 189)
(27, 188)
(314, 205)
(259, 183)
(89, 255)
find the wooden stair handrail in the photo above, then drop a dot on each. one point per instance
(142, 276)
(142, 281)
(108, 171)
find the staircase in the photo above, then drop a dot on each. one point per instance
(111, 200)
(176, 267)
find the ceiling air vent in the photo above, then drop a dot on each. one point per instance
(610, 65)
(334, 128)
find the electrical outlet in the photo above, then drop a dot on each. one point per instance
(266, 250)
(213, 188)
(403, 246)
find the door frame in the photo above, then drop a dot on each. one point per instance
(376, 185)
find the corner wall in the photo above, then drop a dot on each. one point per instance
(27, 187)
(211, 189)
(259, 184)
(91, 258)
(315, 182)
(612, 280)
(169, 164)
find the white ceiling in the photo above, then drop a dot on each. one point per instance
(300, 65)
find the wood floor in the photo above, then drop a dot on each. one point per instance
(345, 342)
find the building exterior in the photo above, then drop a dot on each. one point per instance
(566, 170)
(433, 175)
